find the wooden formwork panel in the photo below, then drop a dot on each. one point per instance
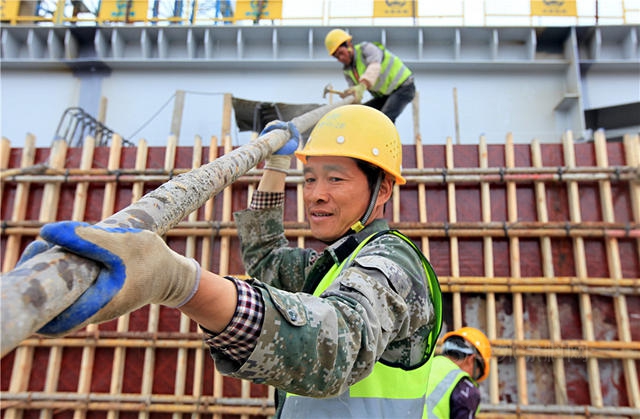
(538, 245)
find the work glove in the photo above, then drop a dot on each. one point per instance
(280, 160)
(356, 91)
(137, 268)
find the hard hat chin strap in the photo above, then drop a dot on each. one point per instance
(358, 226)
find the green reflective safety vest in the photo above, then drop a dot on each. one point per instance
(393, 72)
(444, 377)
(388, 392)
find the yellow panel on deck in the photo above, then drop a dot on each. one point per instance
(115, 10)
(554, 8)
(9, 9)
(253, 9)
(390, 8)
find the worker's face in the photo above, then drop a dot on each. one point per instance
(344, 53)
(336, 195)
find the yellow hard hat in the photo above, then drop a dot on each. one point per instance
(334, 39)
(360, 132)
(479, 341)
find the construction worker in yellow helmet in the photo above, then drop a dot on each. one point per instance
(341, 332)
(452, 389)
(370, 66)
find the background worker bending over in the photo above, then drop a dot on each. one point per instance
(370, 66)
(452, 391)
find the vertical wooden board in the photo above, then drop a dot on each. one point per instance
(501, 257)
(530, 262)
(436, 203)
(409, 209)
(67, 190)
(613, 260)
(439, 249)
(495, 155)
(558, 204)
(87, 381)
(577, 386)
(489, 323)
(12, 245)
(409, 158)
(475, 311)
(467, 203)
(621, 204)
(596, 262)
(548, 271)
(514, 211)
(614, 390)
(164, 369)
(506, 319)
(5, 155)
(585, 154)
(133, 367)
(447, 312)
(569, 307)
(471, 260)
(590, 198)
(535, 325)
(508, 380)
(119, 371)
(5, 370)
(634, 322)
(525, 196)
(630, 264)
(452, 217)
(498, 207)
(563, 256)
(540, 379)
(465, 156)
(580, 256)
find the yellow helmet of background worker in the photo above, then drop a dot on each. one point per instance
(334, 39)
(360, 132)
(479, 341)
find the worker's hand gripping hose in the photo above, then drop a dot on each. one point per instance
(356, 91)
(280, 160)
(137, 268)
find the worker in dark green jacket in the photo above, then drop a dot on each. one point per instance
(341, 332)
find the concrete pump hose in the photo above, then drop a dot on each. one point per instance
(45, 285)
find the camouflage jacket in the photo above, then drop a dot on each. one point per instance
(377, 309)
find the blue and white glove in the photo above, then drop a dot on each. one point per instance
(138, 268)
(280, 160)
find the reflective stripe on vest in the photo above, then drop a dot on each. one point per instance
(388, 392)
(444, 377)
(393, 72)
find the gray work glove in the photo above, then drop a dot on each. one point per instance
(138, 268)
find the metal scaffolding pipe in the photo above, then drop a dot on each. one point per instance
(432, 229)
(588, 411)
(42, 174)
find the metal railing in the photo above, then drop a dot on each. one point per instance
(319, 12)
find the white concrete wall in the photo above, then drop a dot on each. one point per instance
(33, 102)
(140, 103)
